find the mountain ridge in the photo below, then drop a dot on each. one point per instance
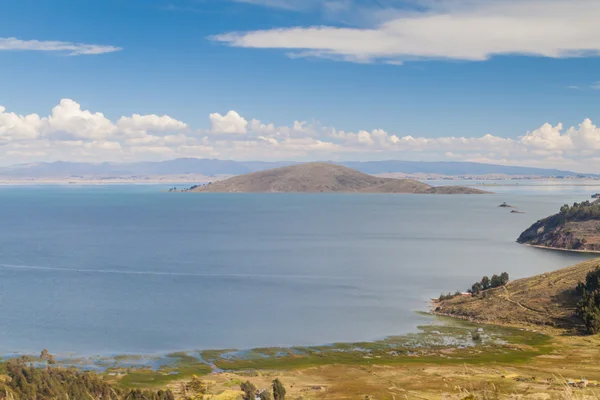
(215, 167)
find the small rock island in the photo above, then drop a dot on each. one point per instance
(321, 177)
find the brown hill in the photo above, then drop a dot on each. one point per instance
(547, 299)
(322, 177)
(575, 227)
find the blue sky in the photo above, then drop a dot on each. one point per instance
(424, 69)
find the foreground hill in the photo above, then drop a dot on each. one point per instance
(573, 228)
(323, 177)
(547, 299)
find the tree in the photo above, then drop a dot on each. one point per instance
(588, 307)
(249, 390)
(265, 395)
(495, 281)
(504, 278)
(196, 386)
(485, 283)
(46, 356)
(278, 390)
(476, 288)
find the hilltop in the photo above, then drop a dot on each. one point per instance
(323, 177)
(544, 300)
(575, 227)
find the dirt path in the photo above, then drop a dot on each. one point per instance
(526, 307)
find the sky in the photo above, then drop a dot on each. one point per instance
(513, 82)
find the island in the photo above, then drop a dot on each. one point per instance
(574, 228)
(320, 177)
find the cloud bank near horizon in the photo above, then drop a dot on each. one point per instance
(70, 133)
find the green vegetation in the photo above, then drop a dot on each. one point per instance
(423, 347)
(579, 212)
(588, 307)
(27, 382)
(195, 389)
(448, 296)
(183, 366)
(487, 283)
(250, 391)
(278, 390)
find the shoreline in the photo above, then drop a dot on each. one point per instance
(559, 249)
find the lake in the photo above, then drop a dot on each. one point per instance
(131, 269)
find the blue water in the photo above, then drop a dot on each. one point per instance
(130, 269)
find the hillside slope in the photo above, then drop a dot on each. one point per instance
(573, 228)
(546, 299)
(319, 178)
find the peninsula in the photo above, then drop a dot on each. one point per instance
(320, 177)
(546, 300)
(575, 228)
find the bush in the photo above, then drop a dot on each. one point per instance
(278, 390)
(588, 307)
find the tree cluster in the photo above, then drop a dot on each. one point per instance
(487, 283)
(53, 383)
(583, 211)
(588, 307)
(448, 296)
(251, 392)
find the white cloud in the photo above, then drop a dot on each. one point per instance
(74, 49)
(69, 121)
(151, 123)
(447, 29)
(75, 134)
(231, 122)
(15, 127)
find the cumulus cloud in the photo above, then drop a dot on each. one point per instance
(72, 133)
(231, 122)
(74, 49)
(69, 121)
(151, 123)
(446, 29)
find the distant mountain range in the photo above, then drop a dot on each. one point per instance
(214, 167)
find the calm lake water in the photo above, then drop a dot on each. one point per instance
(129, 269)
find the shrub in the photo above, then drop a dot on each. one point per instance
(588, 307)
(249, 390)
(278, 390)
